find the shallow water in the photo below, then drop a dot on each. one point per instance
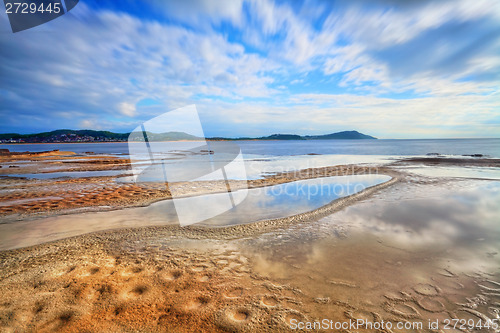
(302, 147)
(457, 172)
(416, 252)
(412, 252)
(260, 203)
(294, 198)
(70, 174)
(23, 201)
(450, 217)
(259, 166)
(466, 213)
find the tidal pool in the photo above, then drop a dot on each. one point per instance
(416, 252)
(457, 172)
(293, 198)
(70, 174)
(259, 204)
(412, 252)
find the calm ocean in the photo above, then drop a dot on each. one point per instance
(487, 147)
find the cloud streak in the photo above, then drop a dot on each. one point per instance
(423, 69)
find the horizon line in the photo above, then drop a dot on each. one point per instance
(256, 137)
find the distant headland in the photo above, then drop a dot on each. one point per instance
(76, 136)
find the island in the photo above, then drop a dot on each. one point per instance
(75, 136)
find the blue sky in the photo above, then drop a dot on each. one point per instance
(388, 68)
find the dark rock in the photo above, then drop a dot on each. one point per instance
(475, 155)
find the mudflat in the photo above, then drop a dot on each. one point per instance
(404, 252)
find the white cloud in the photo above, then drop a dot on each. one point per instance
(90, 124)
(351, 36)
(382, 27)
(98, 64)
(127, 109)
(102, 62)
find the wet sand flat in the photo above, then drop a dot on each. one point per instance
(55, 196)
(264, 209)
(412, 250)
(154, 279)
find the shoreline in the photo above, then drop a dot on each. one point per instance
(56, 143)
(55, 196)
(201, 231)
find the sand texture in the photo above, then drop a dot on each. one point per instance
(367, 261)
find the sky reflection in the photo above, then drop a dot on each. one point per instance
(457, 217)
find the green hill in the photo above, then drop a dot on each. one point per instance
(282, 137)
(345, 135)
(66, 135)
(168, 136)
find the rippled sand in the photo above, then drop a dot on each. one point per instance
(384, 258)
(412, 250)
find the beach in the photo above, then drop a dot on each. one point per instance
(240, 166)
(411, 249)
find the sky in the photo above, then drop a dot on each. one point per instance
(387, 68)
